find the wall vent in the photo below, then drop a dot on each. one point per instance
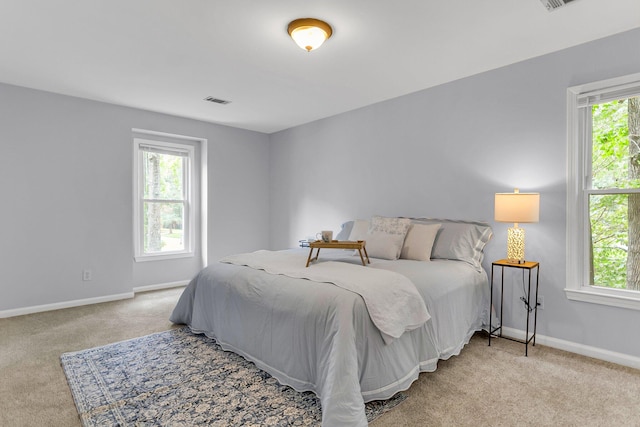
(216, 100)
(554, 4)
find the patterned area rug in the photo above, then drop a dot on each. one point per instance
(178, 378)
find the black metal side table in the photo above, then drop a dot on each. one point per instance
(527, 265)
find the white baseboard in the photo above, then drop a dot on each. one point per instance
(65, 304)
(88, 301)
(159, 286)
(584, 350)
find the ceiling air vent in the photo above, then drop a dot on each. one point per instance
(554, 4)
(216, 100)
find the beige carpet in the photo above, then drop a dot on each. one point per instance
(489, 386)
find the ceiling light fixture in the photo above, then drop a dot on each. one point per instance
(309, 33)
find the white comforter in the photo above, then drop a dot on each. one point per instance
(393, 302)
(319, 337)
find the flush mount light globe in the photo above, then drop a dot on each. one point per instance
(309, 33)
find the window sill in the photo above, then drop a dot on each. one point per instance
(611, 297)
(163, 257)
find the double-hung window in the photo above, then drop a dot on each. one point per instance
(163, 211)
(603, 193)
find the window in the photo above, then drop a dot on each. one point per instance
(603, 193)
(163, 213)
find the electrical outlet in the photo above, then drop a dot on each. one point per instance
(540, 302)
(86, 275)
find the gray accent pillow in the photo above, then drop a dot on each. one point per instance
(345, 231)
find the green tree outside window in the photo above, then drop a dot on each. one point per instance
(615, 216)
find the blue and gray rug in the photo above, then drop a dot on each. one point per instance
(176, 378)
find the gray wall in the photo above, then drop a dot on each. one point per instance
(444, 152)
(66, 174)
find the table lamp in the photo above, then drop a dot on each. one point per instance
(516, 207)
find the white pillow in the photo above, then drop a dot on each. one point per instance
(359, 230)
(419, 242)
(386, 236)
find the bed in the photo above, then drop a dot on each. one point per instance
(316, 335)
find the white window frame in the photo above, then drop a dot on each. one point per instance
(138, 209)
(578, 175)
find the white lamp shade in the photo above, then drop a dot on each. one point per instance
(517, 207)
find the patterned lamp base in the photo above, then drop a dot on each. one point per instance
(515, 244)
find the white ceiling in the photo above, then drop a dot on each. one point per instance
(168, 55)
